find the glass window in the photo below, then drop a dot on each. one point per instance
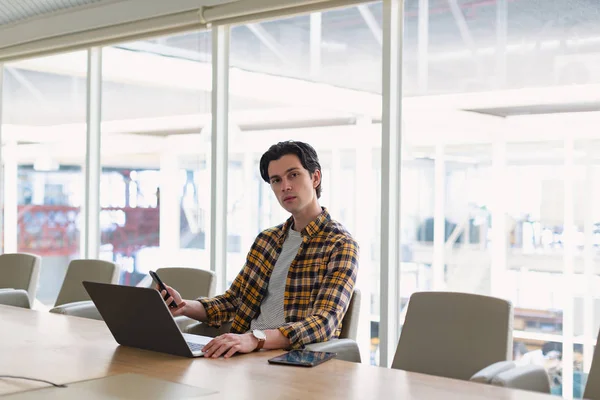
(154, 195)
(43, 143)
(500, 163)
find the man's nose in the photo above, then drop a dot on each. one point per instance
(285, 185)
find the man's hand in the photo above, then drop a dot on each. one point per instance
(174, 296)
(229, 344)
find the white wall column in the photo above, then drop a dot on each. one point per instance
(393, 13)
(219, 154)
(365, 212)
(499, 245)
(336, 181)
(589, 336)
(316, 38)
(439, 219)
(3, 175)
(90, 239)
(39, 188)
(250, 206)
(11, 214)
(569, 260)
(501, 42)
(423, 46)
(170, 209)
(1, 161)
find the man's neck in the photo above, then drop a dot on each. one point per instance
(307, 215)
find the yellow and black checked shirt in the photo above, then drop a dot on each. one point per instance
(318, 289)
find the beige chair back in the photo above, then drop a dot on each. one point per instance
(350, 320)
(191, 283)
(85, 270)
(15, 298)
(20, 271)
(454, 335)
(592, 387)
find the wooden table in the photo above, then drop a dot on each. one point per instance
(65, 349)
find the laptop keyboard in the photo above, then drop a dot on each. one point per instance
(195, 346)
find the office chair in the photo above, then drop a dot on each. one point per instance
(15, 298)
(592, 387)
(85, 270)
(454, 335)
(191, 283)
(510, 375)
(72, 298)
(181, 278)
(20, 271)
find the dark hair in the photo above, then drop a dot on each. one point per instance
(305, 152)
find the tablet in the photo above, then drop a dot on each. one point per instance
(302, 358)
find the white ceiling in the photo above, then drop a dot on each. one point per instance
(20, 10)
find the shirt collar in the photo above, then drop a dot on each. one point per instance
(310, 230)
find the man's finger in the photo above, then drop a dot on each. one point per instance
(232, 351)
(222, 349)
(211, 346)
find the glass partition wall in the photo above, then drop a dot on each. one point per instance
(498, 171)
(498, 182)
(43, 156)
(154, 187)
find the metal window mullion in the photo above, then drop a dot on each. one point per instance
(589, 335)
(2, 232)
(439, 226)
(219, 154)
(9, 165)
(569, 260)
(316, 39)
(423, 47)
(499, 242)
(91, 208)
(390, 178)
(501, 42)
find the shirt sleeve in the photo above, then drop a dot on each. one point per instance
(332, 300)
(222, 308)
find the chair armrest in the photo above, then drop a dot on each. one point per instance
(15, 298)
(488, 373)
(346, 349)
(527, 377)
(203, 329)
(83, 309)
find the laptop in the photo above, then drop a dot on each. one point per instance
(138, 317)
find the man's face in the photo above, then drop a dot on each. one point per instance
(293, 185)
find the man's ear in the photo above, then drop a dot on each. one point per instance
(316, 178)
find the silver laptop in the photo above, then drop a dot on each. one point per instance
(138, 317)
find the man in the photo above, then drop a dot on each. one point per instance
(298, 278)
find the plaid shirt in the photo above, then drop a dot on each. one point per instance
(319, 285)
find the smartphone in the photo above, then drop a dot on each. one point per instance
(302, 358)
(161, 287)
